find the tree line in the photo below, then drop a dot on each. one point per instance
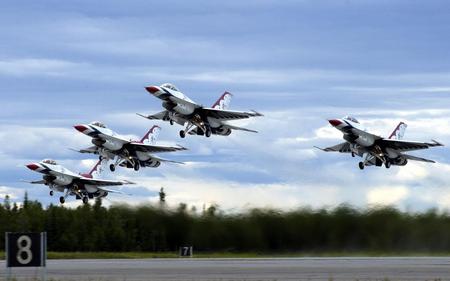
(158, 228)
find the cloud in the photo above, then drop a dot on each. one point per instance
(387, 195)
(94, 61)
(38, 67)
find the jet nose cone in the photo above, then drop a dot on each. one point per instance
(152, 89)
(80, 128)
(32, 166)
(335, 122)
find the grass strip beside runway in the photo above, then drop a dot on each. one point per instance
(150, 255)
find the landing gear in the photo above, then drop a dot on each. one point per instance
(62, 200)
(208, 132)
(112, 167)
(51, 192)
(182, 134)
(171, 122)
(85, 200)
(361, 165)
(353, 154)
(136, 166)
(387, 164)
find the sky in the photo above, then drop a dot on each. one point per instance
(298, 62)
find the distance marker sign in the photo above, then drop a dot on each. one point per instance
(25, 249)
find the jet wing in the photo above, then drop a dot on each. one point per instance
(92, 149)
(239, 128)
(153, 148)
(35, 182)
(113, 191)
(408, 145)
(415, 158)
(229, 114)
(163, 115)
(99, 182)
(165, 160)
(342, 147)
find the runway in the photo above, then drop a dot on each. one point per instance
(393, 268)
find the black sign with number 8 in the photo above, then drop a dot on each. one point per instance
(25, 249)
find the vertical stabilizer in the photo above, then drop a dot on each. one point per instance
(97, 170)
(151, 136)
(399, 131)
(223, 102)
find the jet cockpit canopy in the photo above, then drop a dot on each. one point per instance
(352, 119)
(170, 86)
(98, 124)
(49, 161)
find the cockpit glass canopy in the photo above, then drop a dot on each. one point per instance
(352, 119)
(98, 124)
(49, 161)
(170, 86)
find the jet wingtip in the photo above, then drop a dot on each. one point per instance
(182, 147)
(257, 113)
(437, 143)
(142, 115)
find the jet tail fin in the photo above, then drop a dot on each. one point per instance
(399, 131)
(152, 135)
(97, 170)
(223, 102)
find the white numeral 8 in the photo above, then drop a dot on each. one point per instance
(24, 249)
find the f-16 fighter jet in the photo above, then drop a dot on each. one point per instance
(376, 150)
(82, 186)
(199, 120)
(128, 153)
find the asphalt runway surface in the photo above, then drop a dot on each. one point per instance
(410, 268)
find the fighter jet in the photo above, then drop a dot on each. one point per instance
(82, 186)
(128, 153)
(199, 120)
(376, 150)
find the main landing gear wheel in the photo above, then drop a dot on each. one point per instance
(361, 165)
(112, 167)
(171, 122)
(62, 200)
(387, 164)
(136, 166)
(85, 199)
(51, 192)
(208, 133)
(182, 134)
